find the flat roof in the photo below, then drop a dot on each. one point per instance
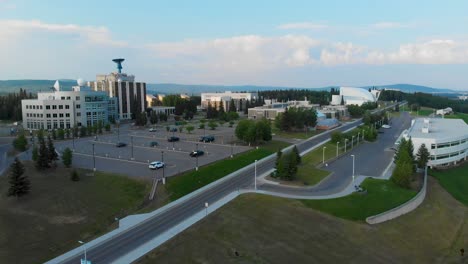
(439, 128)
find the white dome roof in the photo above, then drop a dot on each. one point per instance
(81, 82)
(357, 94)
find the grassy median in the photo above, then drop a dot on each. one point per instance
(381, 196)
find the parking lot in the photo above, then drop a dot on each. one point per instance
(133, 159)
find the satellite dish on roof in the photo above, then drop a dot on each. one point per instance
(81, 82)
(57, 86)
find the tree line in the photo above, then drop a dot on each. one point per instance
(10, 105)
(406, 162)
(296, 119)
(315, 97)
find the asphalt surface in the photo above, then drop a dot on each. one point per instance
(371, 159)
(175, 155)
(111, 250)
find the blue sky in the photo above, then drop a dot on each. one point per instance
(285, 43)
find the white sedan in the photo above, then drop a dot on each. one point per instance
(156, 165)
(386, 126)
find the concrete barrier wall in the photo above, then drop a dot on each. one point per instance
(402, 209)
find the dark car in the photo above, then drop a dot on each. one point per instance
(173, 139)
(173, 129)
(196, 153)
(207, 139)
(154, 144)
(120, 144)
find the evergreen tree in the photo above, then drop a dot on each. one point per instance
(295, 152)
(401, 147)
(403, 170)
(54, 134)
(292, 168)
(232, 106)
(221, 109)
(74, 176)
(20, 143)
(153, 118)
(410, 149)
(422, 156)
(247, 106)
(279, 153)
(51, 154)
(19, 183)
(67, 157)
(35, 153)
(42, 161)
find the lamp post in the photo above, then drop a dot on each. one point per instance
(206, 209)
(94, 160)
(232, 150)
(353, 166)
(359, 133)
(352, 141)
(337, 143)
(84, 245)
(162, 160)
(131, 139)
(196, 156)
(173, 141)
(323, 155)
(73, 138)
(118, 131)
(255, 176)
(345, 144)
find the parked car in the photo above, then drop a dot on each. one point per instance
(152, 129)
(173, 129)
(156, 165)
(173, 139)
(386, 126)
(207, 139)
(196, 153)
(121, 144)
(153, 144)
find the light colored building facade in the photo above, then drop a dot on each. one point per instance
(125, 89)
(272, 108)
(168, 110)
(356, 96)
(67, 109)
(446, 139)
(239, 99)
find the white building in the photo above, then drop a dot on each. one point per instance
(446, 139)
(125, 89)
(66, 109)
(445, 111)
(356, 96)
(215, 99)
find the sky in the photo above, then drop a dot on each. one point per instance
(277, 43)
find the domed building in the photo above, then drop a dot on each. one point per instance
(356, 96)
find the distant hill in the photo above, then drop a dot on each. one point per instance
(35, 86)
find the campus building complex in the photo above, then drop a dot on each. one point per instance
(272, 108)
(446, 139)
(131, 95)
(239, 99)
(66, 109)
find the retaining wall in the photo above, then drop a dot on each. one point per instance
(402, 209)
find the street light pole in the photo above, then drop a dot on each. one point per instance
(131, 139)
(323, 155)
(353, 166)
(162, 160)
(345, 144)
(255, 176)
(196, 167)
(232, 150)
(94, 160)
(337, 143)
(352, 141)
(359, 133)
(84, 245)
(73, 139)
(173, 142)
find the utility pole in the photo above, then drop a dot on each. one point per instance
(131, 139)
(353, 166)
(323, 155)
(196, 156)
(164, 166)
(337, 143)
(232, 150)
(94, 160)
(255, 176)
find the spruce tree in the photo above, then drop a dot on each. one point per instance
(42, 161)
(232, 106)
(67, 157)
(295, 152)
(19, 183)
(51, 154)
(422, 156)
(35, 153)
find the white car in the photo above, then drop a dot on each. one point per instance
(152, 129)
(156, 165)
(386, 126)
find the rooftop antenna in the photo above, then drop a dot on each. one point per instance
(119, 64)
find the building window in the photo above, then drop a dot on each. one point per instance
(67, 107)
(78, 114)
(68, 98)
(78, 106)
(54, 107)
(60, 115)
(48, 115)
(54, 115)
(47, 107)
(40, 107)
(67, 115)
(60, 106)
(77, 98)
(62, 98)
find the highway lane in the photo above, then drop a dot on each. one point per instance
(128, 241)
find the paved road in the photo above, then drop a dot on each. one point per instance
(113, 249)
(371, 159)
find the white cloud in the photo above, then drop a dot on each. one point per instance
(390, 25)
(303, 25)
(95, 35)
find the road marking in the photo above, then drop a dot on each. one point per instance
(151, 148)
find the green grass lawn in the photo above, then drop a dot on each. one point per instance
(293, 135)
(308, 174)
(458, 115)
(58, 212)
(455, 181)
(381, 196)
(190, 181)
(274, 145)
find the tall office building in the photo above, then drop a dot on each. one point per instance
(131, 95)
